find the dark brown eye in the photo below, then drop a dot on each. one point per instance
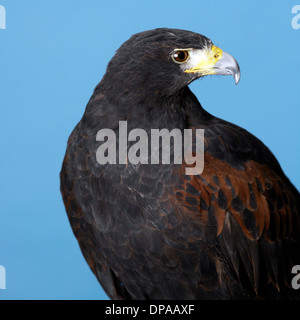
(180, 56)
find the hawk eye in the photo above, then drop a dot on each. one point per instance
(180, 56)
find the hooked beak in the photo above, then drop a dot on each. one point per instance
(214, 61)
(227, 65)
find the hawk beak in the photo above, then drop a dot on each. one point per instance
(213, 61)
(227, 65)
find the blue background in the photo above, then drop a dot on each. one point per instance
(52, 55)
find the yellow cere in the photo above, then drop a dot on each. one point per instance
(206, 61)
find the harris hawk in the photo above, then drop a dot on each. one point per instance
(151, 231)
